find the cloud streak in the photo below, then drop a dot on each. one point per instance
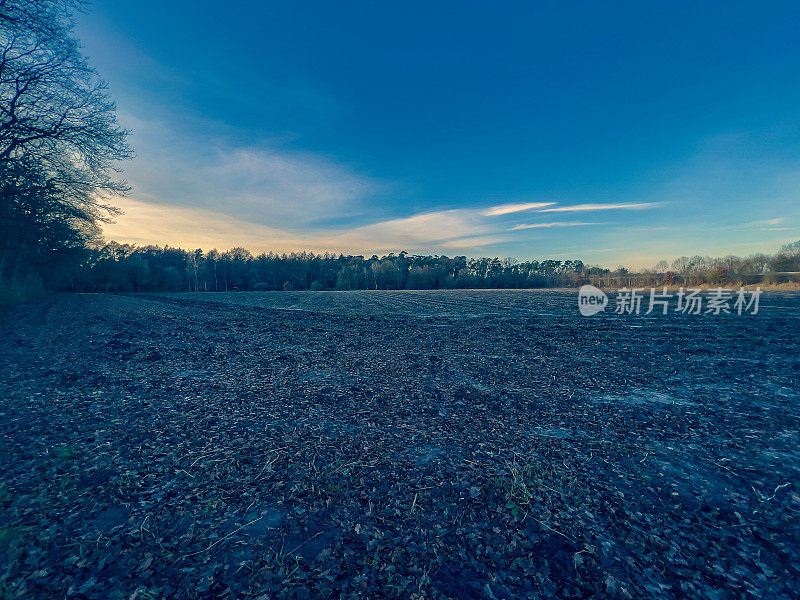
(591, 207)
(507, 209)
(468, 230)
(554, 224)
(768, 222)
(144, 223)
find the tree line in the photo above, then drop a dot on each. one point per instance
(125, 268)
(115, 267)
(781, 267)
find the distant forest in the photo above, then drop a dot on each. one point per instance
(125, 268)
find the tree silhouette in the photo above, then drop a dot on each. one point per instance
(59, 139)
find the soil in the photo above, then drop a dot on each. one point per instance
(447, 444)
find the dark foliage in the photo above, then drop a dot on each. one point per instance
(59, 140)
(125, 268)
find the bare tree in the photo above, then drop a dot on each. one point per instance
(59, 137)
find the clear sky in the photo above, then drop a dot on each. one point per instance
(612, 132)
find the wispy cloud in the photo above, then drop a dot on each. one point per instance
(265, 183)
(436, 229)
(589, 207)
(554, 224)
(760, 225)
(767, 222)
(507, 209)
(145, 223)
(275, 183)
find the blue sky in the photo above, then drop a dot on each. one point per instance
(612, 132)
